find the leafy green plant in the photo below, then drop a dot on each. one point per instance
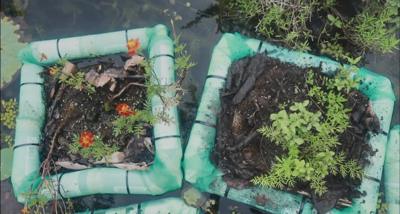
(310, 138)
(8, 113)
(134, 123)
(370, 28)
(97, 150)
(77, 81)
(306, 24)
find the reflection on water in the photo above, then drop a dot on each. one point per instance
(197, 21)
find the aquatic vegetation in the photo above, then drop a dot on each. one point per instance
(10, 46)
(8, 113)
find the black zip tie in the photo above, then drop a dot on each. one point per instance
(160, 55)
(28, 144)
(227, 191)
(372, 178)
(126, 182)
(168, 136)
(302, 203)
(216, 77)
(59, 185)
(126, 36)
(259, 47)
(205, 123)
(31, 83)
(58, 48)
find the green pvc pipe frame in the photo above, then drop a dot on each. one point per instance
(166, 205)
(163, 175)
(201, 172)
(391, 171)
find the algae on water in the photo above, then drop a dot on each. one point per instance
(9, 50)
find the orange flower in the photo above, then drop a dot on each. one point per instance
(53, 70)
(133, 45)
(86, 139)
(25, 210)
(123, 109)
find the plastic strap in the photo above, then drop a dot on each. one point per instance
(59, 185)
(205, 123)
(28, 144)
(31, 83)
(160, 55)
(58, 49)
(216, 77)
(126, 182)
(167, 136)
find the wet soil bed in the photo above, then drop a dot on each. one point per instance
(70, 112)
(256, 87)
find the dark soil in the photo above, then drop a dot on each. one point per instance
(78, 111)
(255, 88)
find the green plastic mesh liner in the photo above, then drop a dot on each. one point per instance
(164, 174)
(204, 175)
(162, 206)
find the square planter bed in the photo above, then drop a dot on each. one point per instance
(165, 172)
(203, 174)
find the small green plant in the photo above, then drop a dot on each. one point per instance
(134, 123)
(97, 150)
(306, 24)
(370, 27)
(8, 113)
(77, 81)
(310, 138)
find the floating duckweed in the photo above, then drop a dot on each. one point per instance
(8, 113)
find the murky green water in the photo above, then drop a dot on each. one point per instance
(195, 20)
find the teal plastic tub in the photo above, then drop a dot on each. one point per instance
(161, 206)
(163, 175)
(391, 172)
(201, 172)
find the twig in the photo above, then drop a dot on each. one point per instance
(57, 98)
(126, 87)
(244, 142)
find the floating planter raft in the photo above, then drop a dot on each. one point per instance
(163, 175)
(166, 205)
(391, 171)
(201, 172)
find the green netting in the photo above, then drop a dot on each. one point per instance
(161, 206)
(163, 175)
(392, 171)
(204, 175)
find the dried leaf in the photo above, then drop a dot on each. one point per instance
(91, 76)
(71, 165)
(69, 69)
(133, 61)
(115, 73)
(148, 144)
(102, 80)
(116, 157)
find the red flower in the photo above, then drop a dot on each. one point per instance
(133, 45)
(86, 139)
(123, 109)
